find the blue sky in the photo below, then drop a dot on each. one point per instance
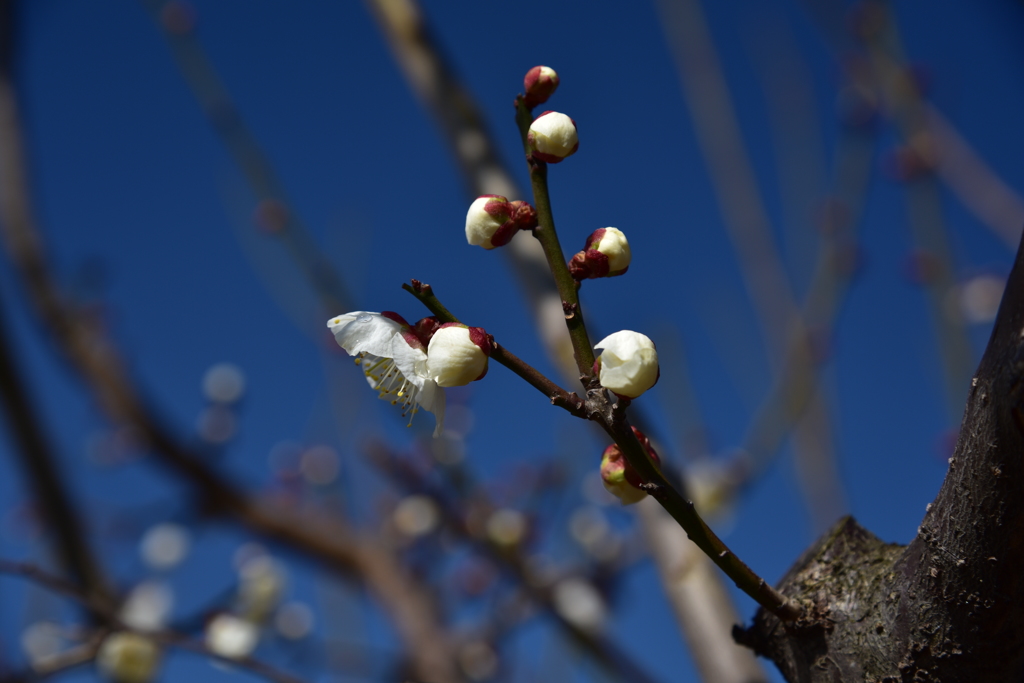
(145, 212)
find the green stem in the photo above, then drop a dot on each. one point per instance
(556, 394)
(545, 233)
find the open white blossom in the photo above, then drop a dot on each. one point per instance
(628, 364)
(457, 355)
(393, 359)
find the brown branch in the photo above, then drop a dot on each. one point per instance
(556, 394)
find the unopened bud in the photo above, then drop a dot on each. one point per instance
(489, 221)
(552, 137)
(457, 355)
(628, 364)
(605, 254)
(619, 477)
(523, 215)
(540, 83)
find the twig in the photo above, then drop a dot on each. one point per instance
(613, 420)
(556, 394)
(548, 237)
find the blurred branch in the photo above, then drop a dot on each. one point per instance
(274, 210)
(50, 491)
(24, 424)
(103, 610)
(603, 650)
(904, 105)
(746, 220)
(92, 354)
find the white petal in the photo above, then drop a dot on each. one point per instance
(363, 332)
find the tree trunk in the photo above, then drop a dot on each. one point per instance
(950, 606)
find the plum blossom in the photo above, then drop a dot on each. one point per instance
(628, 365)
(394, 360)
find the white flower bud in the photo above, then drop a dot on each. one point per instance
(605, 254)
(457, 355)
(489, 222)
(540, 84)
(126, 657)
(628, 365)
(552, 137)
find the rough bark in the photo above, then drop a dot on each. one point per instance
(950, 605)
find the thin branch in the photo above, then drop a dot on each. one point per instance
(548, 237)
(613, 420)
(556, 394)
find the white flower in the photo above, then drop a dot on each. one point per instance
(629, 363)
(457, 355)
(393, 359)
(126, 657)
(489, 222)
(552, 137)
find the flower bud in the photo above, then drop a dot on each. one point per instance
(126, 657)
(628, 365)
(540, 84)
(619, 477)
(605, 254)
(489, 222)
(457, 355)
(523, 215)
(552, 137)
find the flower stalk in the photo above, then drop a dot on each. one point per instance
(545, 233)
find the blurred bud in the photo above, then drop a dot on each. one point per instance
(478, 660)
(224, 383)
(164, 546)
(605, 254)
(628, 364)
(126, 657)
(489, 222)
(980, 297)
(416, 515)
(294, 620)
(579, 603)
(230, 636)
(41, 641)
(619, 477)
(262, 581)
(506, 527)
(540, 83)
(552, 137)
(457, 354)
(148, 605)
